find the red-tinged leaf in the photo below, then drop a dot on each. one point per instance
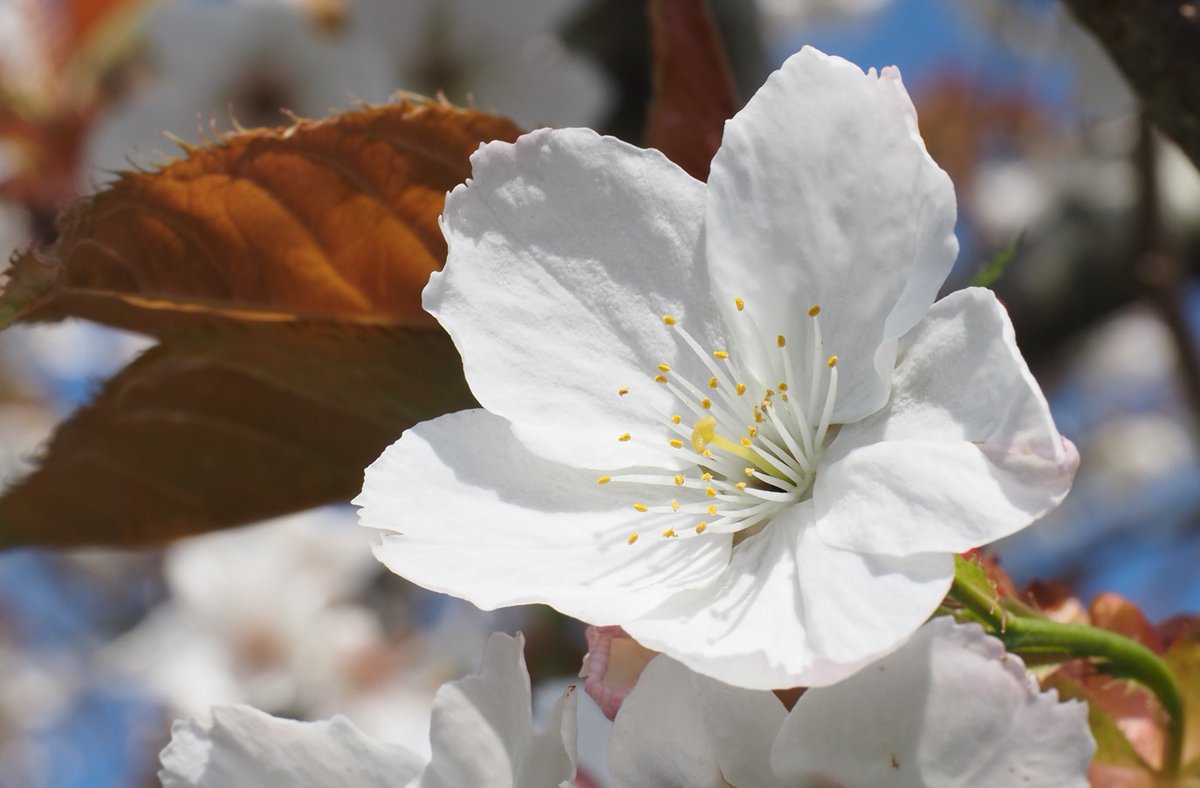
(328, 219)
(693, 88)
(281, 271)
(229, 426)
(1114, 752)
(1117, 614)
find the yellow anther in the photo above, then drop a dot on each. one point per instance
(641, 507)
(782, 387)
(740, 485)
(667, 534)
(784, 397)
(679, 480)
(815, 310)
(675, 506)
(749, 471)
(740, 388)
(700, 527)
(721, 354)
(676, 419)
(711, 493)
(707, 453)
(706, 403)
(706, 477)
(712, 508)
(664, 367)
(624, 437)
(752, 431)
(739, 303)
(670, 321)
(758, 417)
(747, 442)
(660, 378)
(632, 538)
(770, 393)
(712, 383)
(604, 480)
(832, 362)
(621, 392)
(779, 340)
(676, 443)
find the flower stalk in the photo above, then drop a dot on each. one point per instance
(1029, 635)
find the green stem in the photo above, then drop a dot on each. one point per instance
(1038, 637)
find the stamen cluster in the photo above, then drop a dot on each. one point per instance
(754, 443)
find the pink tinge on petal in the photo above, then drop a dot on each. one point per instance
(1069, 463)
(612, 666)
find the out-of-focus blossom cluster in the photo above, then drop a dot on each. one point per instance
(207, 66)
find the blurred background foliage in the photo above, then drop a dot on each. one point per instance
(1051, 158)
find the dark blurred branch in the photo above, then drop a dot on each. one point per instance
(1156, 44)
(1157, 270)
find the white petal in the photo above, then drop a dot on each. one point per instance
(552, 755)
(482, 730)
(792, 611)
(950, 708)
(965, 452)
(741, 724)
(822, 193)
(241, 746)
(681, 729)
(566, 249)
(480, 517)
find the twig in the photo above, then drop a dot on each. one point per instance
(1156, 44)
(1158, 272)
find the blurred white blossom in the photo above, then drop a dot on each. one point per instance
(502, 57)
(264, 615)
(788, 17)
(211, 63)
(481, 734)
(208, 61)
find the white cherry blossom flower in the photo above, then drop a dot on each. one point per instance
(949, 708)
(724, 417)
(482, 734)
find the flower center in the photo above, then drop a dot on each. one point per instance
(753, 444)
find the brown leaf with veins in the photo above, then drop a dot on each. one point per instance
(281, 271)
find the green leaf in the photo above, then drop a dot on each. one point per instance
(999, 262)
